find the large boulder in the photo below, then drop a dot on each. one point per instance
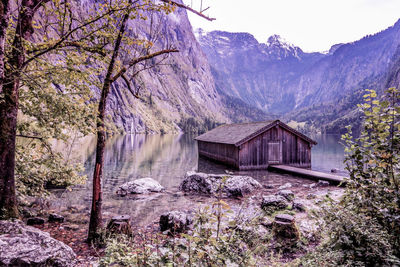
(238, 186)
(176, 221)
(232, 186)
(22, 245)
(140, 186)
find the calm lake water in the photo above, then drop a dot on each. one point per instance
(167, 158)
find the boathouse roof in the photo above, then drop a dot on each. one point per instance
(239, 133)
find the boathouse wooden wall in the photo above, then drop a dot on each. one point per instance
(228, 154)
(275, 146)
(296, 152)
(292, 151)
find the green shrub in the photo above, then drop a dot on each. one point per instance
(352, 239)
(363, 229)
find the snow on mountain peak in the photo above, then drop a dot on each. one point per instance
(277, 40)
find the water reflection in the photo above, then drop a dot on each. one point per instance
(167, 158)
(328, 153)
(135, 156)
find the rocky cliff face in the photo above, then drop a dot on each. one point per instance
(393, 75)
(279, 77)
(182, 87)
(179, 89)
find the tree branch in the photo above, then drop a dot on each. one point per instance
(61, 40)
(189, 8)
(140, 59)
(129, 86)
(30, 137)
(96, 50)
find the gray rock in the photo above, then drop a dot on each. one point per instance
(35, 221)
(285, 186)
(288, 194)
(238, 186)
(266, 222)
(53, 217)
(73, 227)
(176, 221)
(200, 183)
(334, 170)
(271, 202)
(268, 186)
(122, 193)
(322, 183)
(298, 205)
(286, 218)
(140, 186)
(234, 186)
(22, 245)
(311, 196)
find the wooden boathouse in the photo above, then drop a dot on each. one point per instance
(250, 146)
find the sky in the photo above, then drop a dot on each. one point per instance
(313, 25)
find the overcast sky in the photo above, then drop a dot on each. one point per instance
(313, 25)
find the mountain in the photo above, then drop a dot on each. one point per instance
(257, 73)
(181, 90)
(282, 79)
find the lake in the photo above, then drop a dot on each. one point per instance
(167, 158)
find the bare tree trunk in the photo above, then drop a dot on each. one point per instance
(96, 221)
(9, 108)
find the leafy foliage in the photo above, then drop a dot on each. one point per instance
(363, 229)
(64, 65)
(353, 239)
(40, 169)
(55, 106)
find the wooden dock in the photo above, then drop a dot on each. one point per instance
(335, 179)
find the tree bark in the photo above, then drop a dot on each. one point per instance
(6, 186)
(9, 108)
(96, 220)
(4, 19)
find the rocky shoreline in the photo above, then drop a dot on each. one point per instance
(280, 205)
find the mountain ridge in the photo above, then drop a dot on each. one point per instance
(281, 78)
